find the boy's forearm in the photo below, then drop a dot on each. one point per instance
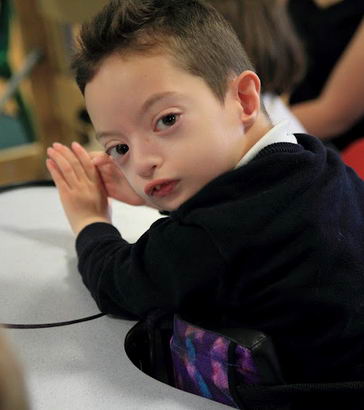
(103, 256)
(80, 225)
(132, 279)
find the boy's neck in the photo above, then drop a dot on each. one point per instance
(257, 131)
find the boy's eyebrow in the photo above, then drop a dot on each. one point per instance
(153, 99)
(100, 135)
(147, 105)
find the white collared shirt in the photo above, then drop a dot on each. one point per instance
(279, 133)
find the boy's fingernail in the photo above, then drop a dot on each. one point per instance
(76, 144)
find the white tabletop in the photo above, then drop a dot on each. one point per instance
(78, 366)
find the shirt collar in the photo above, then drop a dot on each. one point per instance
(279, 133)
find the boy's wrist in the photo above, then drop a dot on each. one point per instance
(80, 225)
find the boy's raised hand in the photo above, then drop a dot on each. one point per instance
(80, 187)
(115, 183)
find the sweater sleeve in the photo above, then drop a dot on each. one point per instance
(172, 266)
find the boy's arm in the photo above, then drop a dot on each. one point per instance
(172, 266)
(79, 185)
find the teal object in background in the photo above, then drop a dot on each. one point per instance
(18, 130)
(12, 132)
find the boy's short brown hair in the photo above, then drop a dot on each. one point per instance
(192, 32)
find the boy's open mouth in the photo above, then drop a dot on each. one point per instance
(160, 188)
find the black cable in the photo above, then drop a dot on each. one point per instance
(46, 325)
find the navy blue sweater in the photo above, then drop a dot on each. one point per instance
(276, 245)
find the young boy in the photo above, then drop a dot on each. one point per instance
(265, 229)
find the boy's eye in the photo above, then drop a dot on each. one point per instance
(166, 121)
(118, 150)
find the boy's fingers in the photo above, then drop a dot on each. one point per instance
(64, 166)
(71, 159)
(56, 174)
(85, 160)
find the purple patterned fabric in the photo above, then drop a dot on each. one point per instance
(200, 361)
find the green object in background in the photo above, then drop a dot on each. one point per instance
(12, 132)
(5, 13)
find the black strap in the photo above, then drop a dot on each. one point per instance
(158, 326)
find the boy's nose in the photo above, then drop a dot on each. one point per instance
(146, 163)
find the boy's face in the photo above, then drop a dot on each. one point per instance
(164, 127)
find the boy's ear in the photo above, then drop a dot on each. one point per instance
(247, 92)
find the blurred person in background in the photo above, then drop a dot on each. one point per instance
(12, 389)
(266, 32)
(329, 99)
